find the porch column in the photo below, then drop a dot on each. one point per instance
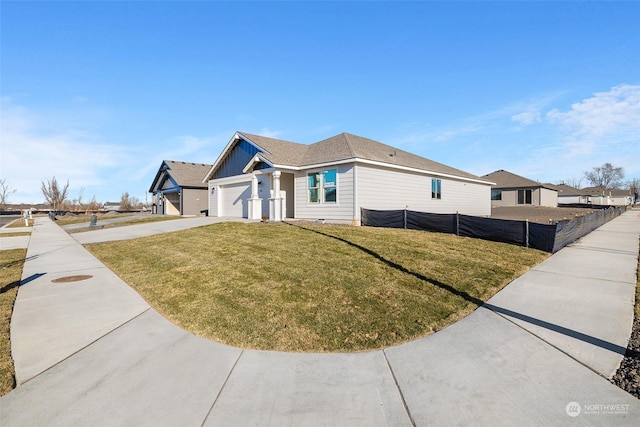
(275, 202)
(255, 202)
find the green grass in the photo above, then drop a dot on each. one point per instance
(11, 262)
(313, 288)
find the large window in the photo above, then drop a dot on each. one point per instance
(524, 197)
(496, 194)
(436, 188)
(323, 186)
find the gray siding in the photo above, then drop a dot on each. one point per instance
(385, 188)
(193, 201)
(342, 210)
(539, 197)
(213, 199)
(548, 197)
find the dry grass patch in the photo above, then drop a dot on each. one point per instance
(313, 288)
(68, 219)
(15, 234)
(11, 263)
(133, 221)
(19, 223)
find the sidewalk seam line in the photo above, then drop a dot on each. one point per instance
(86, 346)
(548, 343)
(224, 384)
(395, 380)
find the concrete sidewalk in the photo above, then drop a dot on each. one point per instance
(92, 352)
(14, 242)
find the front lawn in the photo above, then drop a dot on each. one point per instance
(313, 287)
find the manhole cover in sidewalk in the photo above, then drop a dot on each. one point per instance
(68, 279)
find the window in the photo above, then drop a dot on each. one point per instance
(323, 186)
(496, 194)
(436, 188)
(329, 185)
(314, 186)
(524, 197)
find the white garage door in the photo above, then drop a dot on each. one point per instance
(235, 200)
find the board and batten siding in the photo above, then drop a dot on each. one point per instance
(342, 210)
(382, 188)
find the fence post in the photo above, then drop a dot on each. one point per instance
(457, 223)
(405, 218)
(527, 232)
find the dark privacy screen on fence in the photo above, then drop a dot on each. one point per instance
(548, 238)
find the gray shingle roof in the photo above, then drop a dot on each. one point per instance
(185, 174)
(567, 190)
(278, 151)
(346, 146)
(506, 179)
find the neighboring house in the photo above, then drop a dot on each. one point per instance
(259, 177)
(178, 189)
(111, 206)
(513, 190)
(570, 195)
(598, 196)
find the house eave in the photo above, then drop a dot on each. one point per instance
(256, 159)
(382, 164)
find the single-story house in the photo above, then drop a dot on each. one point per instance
(178, 189)
(513, 190)
(259, 177)
(570, 195)
(111, 206)
(598, 196)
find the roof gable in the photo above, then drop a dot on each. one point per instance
(181, 174)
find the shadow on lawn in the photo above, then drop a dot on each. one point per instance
(503, 312)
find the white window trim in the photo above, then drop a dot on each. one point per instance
(321, 187)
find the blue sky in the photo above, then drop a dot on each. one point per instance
(99, 93)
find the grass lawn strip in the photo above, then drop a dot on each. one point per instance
(123, 223)
(19, 223)
(11, 262)
(313, 288)
(15, 234)
(78, 219)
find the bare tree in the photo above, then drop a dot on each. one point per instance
(80, 195)
(573, 182)
(53, 194)
(125, 202)
(93, 205)
(5, 192)
(605, 177)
